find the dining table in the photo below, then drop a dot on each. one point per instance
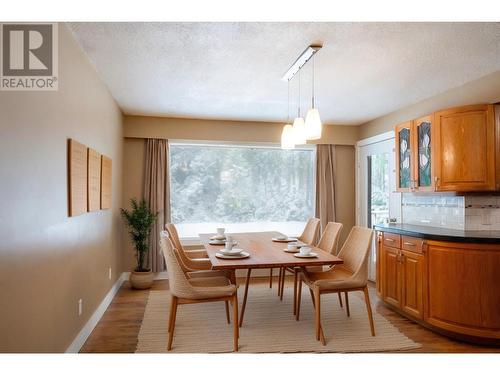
(265, 252)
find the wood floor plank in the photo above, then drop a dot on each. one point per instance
(119, 327)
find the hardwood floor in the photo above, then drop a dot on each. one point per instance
(119, 327)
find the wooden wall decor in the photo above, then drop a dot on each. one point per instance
(77, 178)
(106, 169)
(94, 180)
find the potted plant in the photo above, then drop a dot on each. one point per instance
(140, 221)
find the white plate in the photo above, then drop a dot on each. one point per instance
(222, 242)
(233, 252)
(310, 255)
(287, 250)
(288, 239)
(218, 238)
(242, 255)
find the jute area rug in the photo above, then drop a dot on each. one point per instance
(269, 326)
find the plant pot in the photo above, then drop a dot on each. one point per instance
(141, 280)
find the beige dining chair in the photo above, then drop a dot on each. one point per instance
(350, 276)
(174, 237)
(309, 236)
(328, 242)
(185, 290)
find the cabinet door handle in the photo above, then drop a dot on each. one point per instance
(409, 244)
(389, 240)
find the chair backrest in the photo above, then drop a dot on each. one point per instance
(330, 238)
(311, 231)
(177, 280)
(355, 252)
(174, 236)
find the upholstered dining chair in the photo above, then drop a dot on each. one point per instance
(174, 237)
(328, 242)
(309, 236)
(185, 290)
(350, 276)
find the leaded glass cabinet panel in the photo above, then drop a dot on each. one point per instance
(424, 158)
(404, 157)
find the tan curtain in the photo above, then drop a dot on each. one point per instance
(157, 196)
(325, 184)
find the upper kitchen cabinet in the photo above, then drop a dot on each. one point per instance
(463, 139)
(404, 157)
(413, 155)
(422, 146)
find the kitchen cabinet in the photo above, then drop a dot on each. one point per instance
(464, 144)
(402, 278)
(449, 150)
(404, 157)
(451, 287)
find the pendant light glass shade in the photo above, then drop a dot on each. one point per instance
(287, 138)
(313, 124)
(299, 131)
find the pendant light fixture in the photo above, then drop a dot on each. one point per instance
(313, 124)
(287, 138)
(299, 127)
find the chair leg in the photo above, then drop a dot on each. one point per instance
(282, 285)
(340, 299)
(369, 309)
(173, 310)
(295, 277)
(227, 312)
(245, 296)
(236, 333)
(170, 314)
(317, 304)
(347, 303)
(279, 281)
(271, 278)
(299, 298)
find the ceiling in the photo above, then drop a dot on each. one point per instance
(233, 70)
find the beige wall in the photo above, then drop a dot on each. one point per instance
(483, 90)
(47, 260)
(236, 131)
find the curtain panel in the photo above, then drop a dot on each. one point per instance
(325, 184)
(157, 196)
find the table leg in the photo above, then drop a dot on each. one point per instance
(245, 297)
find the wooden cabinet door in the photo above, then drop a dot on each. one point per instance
(412, 283)
(422, 150)
(463, 289)
(464, 143)
(391, 273)
(404, 159)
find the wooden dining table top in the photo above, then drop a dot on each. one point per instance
(264, 253)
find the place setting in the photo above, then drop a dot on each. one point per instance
(230, 251)
(220, 238)
(284, 238)
(305, 252)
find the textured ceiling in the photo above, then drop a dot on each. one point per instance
(233, 70)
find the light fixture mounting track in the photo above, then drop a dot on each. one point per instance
(301, 61)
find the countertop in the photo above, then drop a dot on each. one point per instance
(442, 234)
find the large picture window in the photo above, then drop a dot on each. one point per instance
(243, 188)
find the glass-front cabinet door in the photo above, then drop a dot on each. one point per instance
(404, 162)
(422, 170)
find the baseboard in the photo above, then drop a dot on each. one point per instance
(87, 329)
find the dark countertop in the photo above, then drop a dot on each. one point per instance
(442, 234)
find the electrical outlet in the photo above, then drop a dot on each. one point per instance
(109, 273)
(80, 306)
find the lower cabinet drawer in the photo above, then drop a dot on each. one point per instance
(392, 240)
(412, 244)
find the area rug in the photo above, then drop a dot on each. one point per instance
(269, 326)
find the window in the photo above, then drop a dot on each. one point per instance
(242, 188)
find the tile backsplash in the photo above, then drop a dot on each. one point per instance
(435, 210)
(474, 212)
